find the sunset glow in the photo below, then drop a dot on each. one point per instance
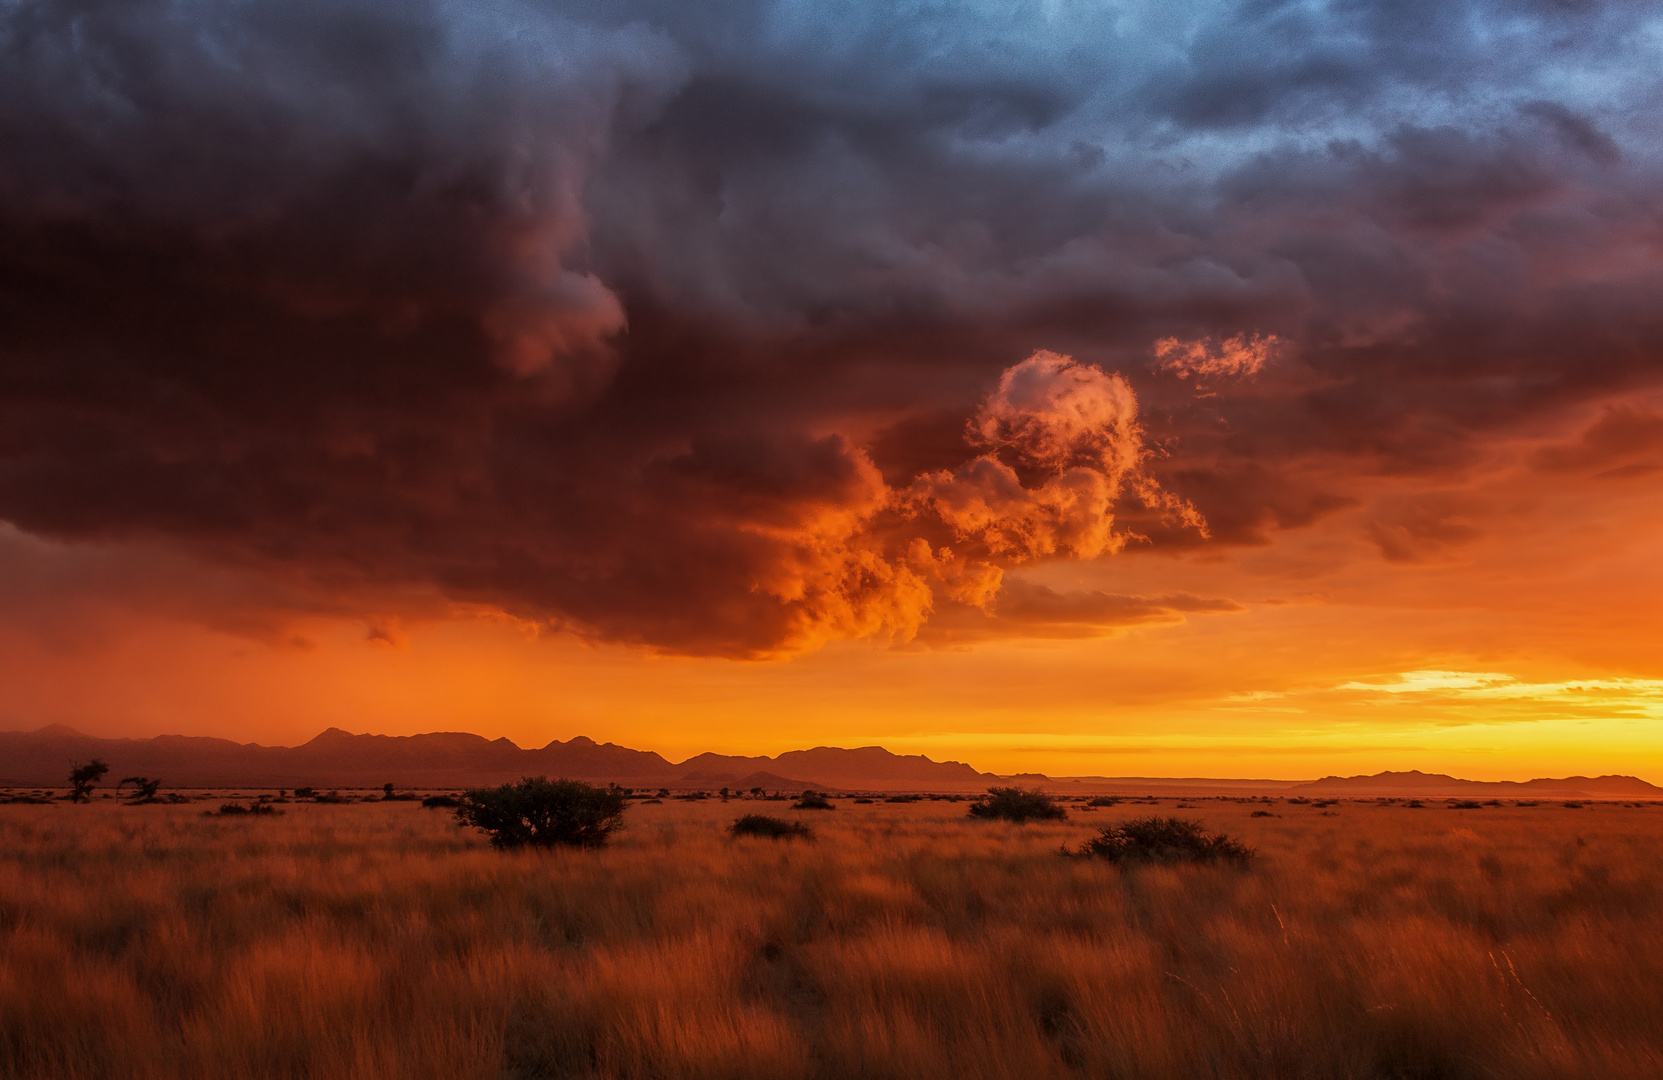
(1078, 389)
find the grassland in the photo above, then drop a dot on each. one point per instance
(380, 941)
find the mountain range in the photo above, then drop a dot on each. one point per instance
(341, 759)
(1437, 785)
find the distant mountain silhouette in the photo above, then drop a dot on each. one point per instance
(339, 758)
(451, 759)
(1438, 785)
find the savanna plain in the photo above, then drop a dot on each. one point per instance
(382, 940)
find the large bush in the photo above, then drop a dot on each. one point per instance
(543, 812)
(1164, 840)
(1016, 804)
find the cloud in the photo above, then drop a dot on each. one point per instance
(1238, 356)
(1625, 442)
(1635, 698)
(704, 328)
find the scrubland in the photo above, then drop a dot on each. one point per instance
(381, 941)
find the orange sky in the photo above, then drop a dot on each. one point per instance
(1267, 391)
(1527, 650)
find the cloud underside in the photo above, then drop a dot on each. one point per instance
(738, 330)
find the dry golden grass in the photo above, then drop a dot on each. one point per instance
(376, 941)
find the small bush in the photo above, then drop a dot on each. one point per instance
(1016, 804)
(1164, 840)
(441, 802)
(812, 800)
(1467, 804)
(863, 802)
(541, 812)
(232, 809)
(1103, 800)
(770, 827)
(1261, 813)
(902, 798)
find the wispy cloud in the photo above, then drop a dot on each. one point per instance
(1608, 697)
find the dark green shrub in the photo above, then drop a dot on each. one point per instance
(440, 802)
(770, 827)
(543, 812)
(1164, 840)
(812, 800)
(1104, 800)
(1018, 805)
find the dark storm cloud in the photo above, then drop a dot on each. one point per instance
(665, 322)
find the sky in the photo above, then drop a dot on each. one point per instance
(1217, 389)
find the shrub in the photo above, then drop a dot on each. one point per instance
(1164, 840)
(770, 827)
(543, 812)
(812, 800)
(1016, 804)
(1261, 813)
(439, 802)
(232, 809)
(903, 798)
(1103, 800)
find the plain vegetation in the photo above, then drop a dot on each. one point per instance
(374, 940)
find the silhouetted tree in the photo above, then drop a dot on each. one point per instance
(543, 812)
(83, 777)
(145, 788)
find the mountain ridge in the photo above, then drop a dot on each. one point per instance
(448, 759)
